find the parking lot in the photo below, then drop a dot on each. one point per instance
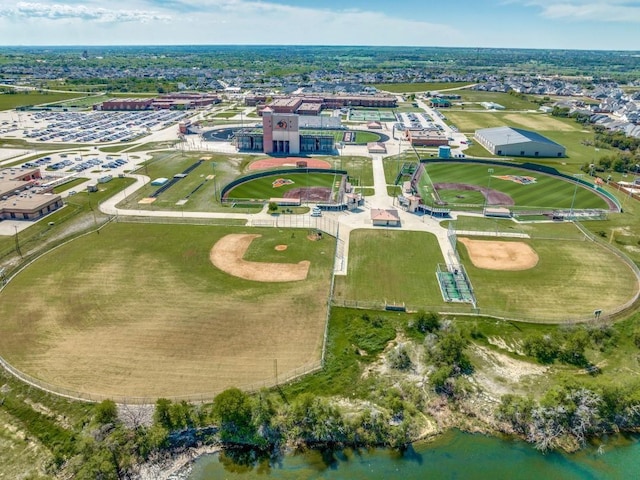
(91, 127)
(417, 120)
(71, 163)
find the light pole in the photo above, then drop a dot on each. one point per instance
(575, 191)
(486, 196)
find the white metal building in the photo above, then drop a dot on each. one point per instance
(515, 142)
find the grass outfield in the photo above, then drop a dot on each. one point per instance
(547, 192)
(139, 310)
(391, 265)
(570, 281)
(263, 189)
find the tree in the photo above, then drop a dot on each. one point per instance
(106, 412)
(398, 358)
(232, 410)
(427, 321)
(162, 413)
(273, 207)
(543, 347)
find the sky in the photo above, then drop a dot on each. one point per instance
(563, 24)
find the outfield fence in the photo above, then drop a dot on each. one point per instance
(632, 265)
(179, 220)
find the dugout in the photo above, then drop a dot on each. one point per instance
(497, 212)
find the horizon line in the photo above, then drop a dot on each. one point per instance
(252, 45)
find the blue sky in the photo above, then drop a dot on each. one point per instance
(575, 24)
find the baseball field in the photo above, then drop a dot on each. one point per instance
(281, 185)
(505, 186)
(146, 310)
(545, 280)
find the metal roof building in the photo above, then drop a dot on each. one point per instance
(515, 142)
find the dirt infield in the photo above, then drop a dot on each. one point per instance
(228, 252)
(311, 194)
(494, 197)
(267, 163)
(495, 255)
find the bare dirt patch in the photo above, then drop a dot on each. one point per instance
(500, 373)
(494, 197)
(313, 194)
(496, 255)
(280, 248)
(228, 252)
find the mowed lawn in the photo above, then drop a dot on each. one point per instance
(9, 101)
(546, 192)
(264, 189)
(393, 266)
(140, 311)
(570, 281)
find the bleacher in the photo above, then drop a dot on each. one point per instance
(454, 284)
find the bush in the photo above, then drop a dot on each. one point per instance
(398, 358)
(426, 322)
(106, 412)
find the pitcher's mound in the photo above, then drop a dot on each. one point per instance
(495, 255)
(281, 248)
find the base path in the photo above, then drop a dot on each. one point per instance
(228, 252)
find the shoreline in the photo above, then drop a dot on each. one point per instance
(174, 466)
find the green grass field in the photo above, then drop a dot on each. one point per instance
(263, 189)
(151, 316)
(570, 281)
(418, 86)
(15, 100)
(546, 192)
(393, 266)
(473, 98)
(167, 164)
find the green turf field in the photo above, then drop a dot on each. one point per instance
(547, 192)
(140, 310)
(361, 137)
(263, 188)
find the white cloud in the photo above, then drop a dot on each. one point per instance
(58, 11)
(603, 11)
(214, 22)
